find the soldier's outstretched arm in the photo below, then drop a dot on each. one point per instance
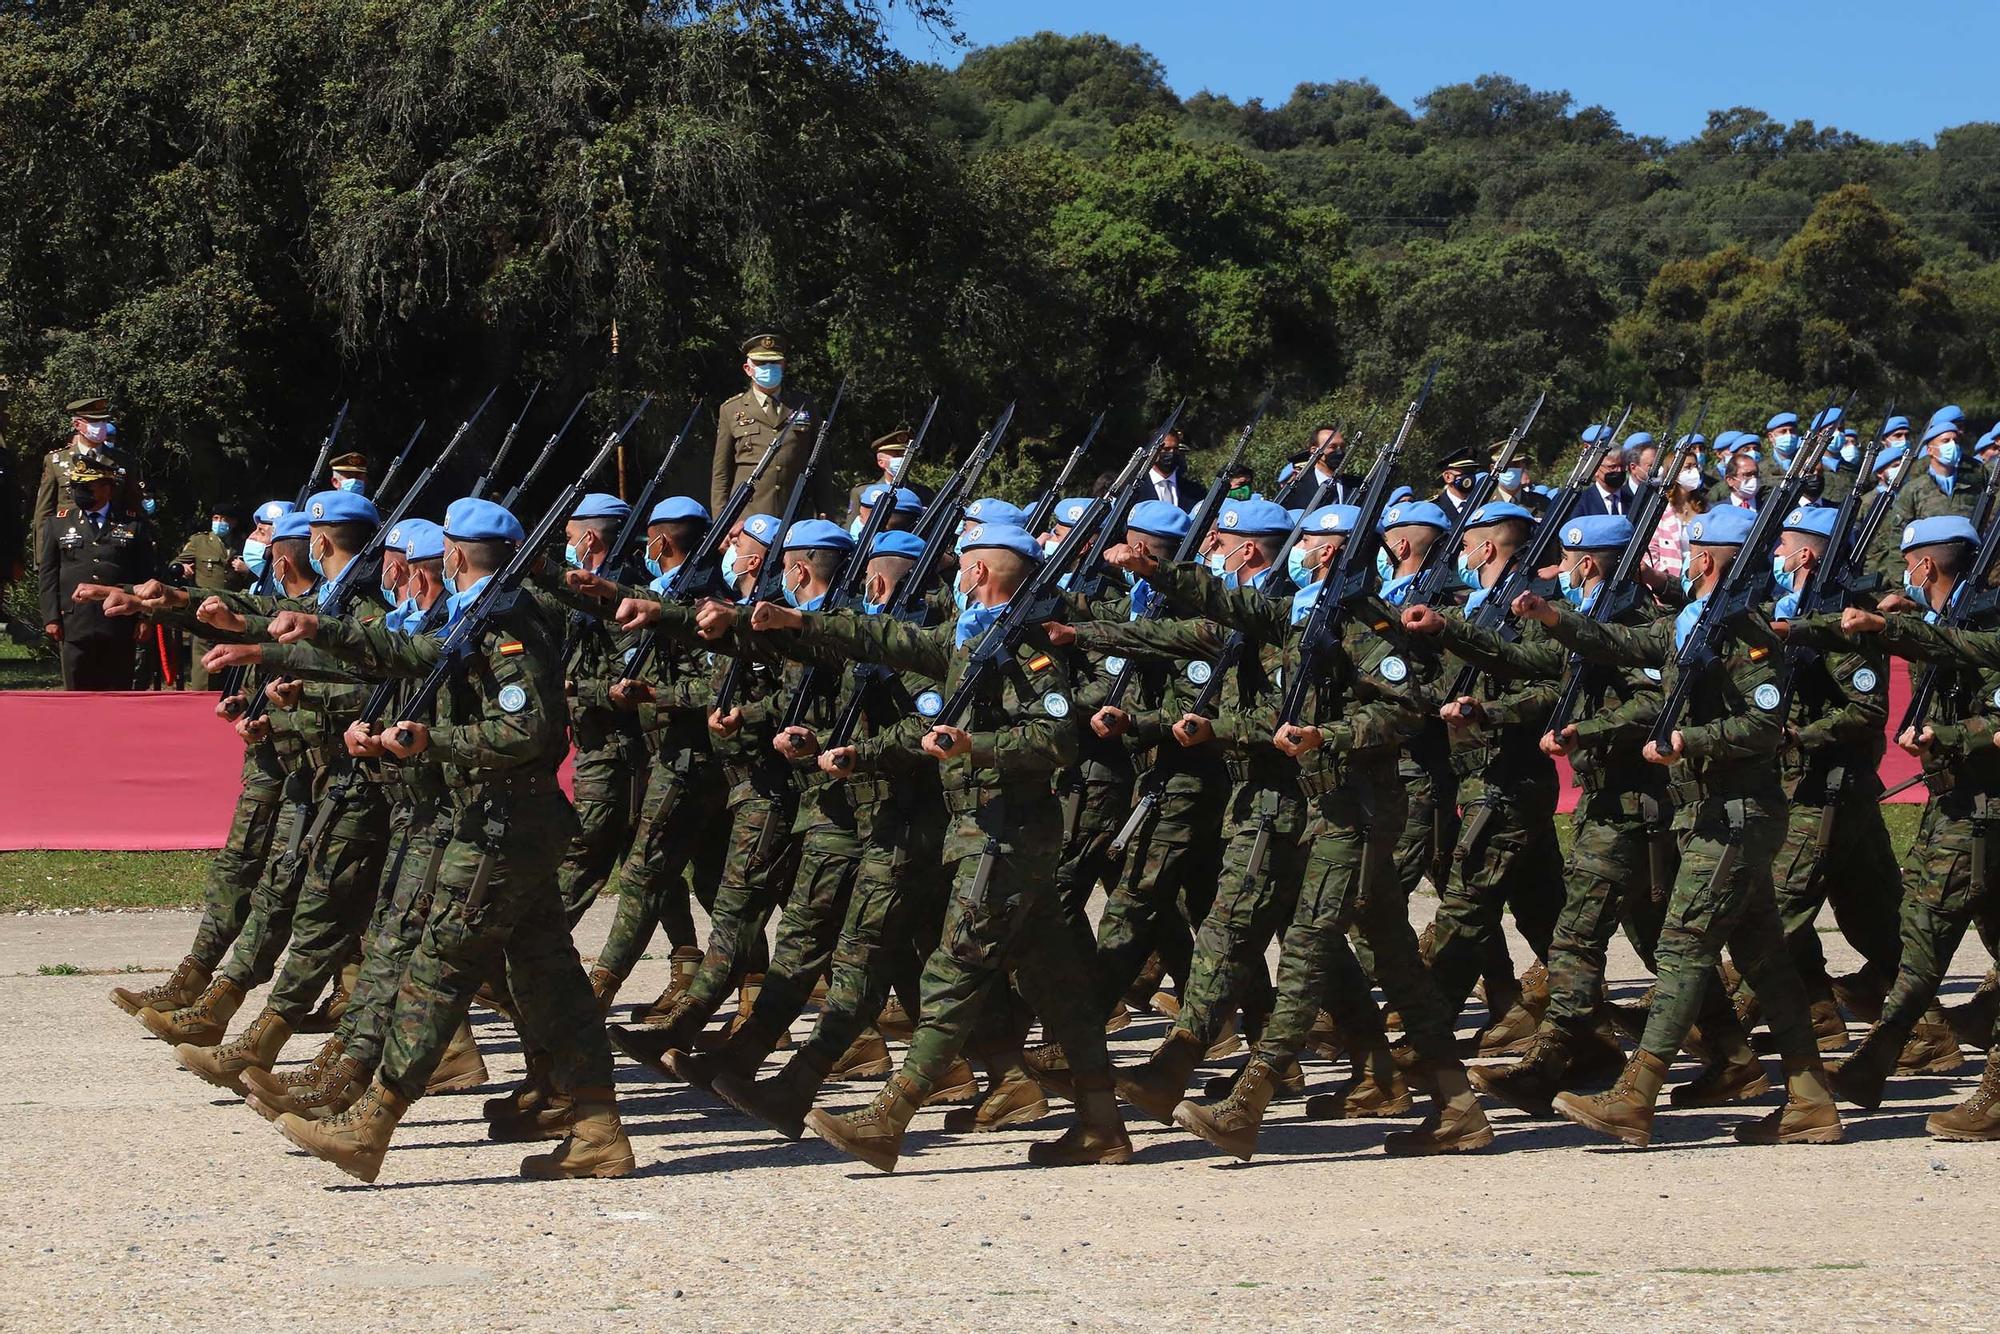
(1909, 636)
(370, 646)
(1193, 589)
(1164, 638)
(1532, 654)
(893, 643)
(1619, 645)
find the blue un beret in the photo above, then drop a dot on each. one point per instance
(422, 539)
(1889, 456)
(292, 524)
(1638, 439)
(476, 520)
(1827, 417)
(1783, 419)
(1070, 509)
(1594, 432)
(1895, 424)
(678, 509)
(1254, 518)
(1938, 427)
(273, 510)
(1498, 511)
(1814, 519)
(907, 501)
(600, 505)
(1696, 438)
(341, 507)
(1724, 527)
(1950, 412)
(1332, 519)
(761, 528)
(1006, 536)
(817, 535)
(1158, 518)
(992, 509)
(897, 544)
(1399, 494)
(1596, 532)
(1939, 528)
(1416, 512)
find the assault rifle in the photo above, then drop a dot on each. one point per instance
(1087, 582)
(1440, 560)
(485, 482)
(1971, 602)
(396, 464)
(1038, 518)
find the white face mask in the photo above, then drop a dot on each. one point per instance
(1748, 486)
(1690, 478)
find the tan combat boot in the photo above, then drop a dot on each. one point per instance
(1048, 1065)
(1326, 1037)
(781, 1101)
(1121, 1017)
(1166, 1003)
(746, 1002)
(1289, 1081)
(1860, 1078)
(1932, 1048)
(604, 986)
(1808, 1116)
(596, 1146)
(1630, 1020)
(1228, 1043)
(272, 1083)
(875, 1133)
(1978, 1117)
(1139, 996)
(532, 1092)
(355, 1140)
(1625, 1110)
(1829, 1029)
(1456, 1123)
(957, 1084)
(1728, 1077)
(1377, 1090)
(461, 1067)
(223, 1065)
(183, 988)
(202, 1024)
(895, 1021)
(1972, 1022)
(1232, 1124)
(330, 1012)
(1514, 1030)
(1531, 1083)
(336, 1089)
(1158, 1084)
(647, 1046)
(535, 1108)
(1098, 1135)
(682, 965)
(867, 1057)
(1860, 993)
(1012, 1096)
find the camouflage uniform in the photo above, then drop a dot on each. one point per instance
(500, 736)
(1001, 846)
(1506, 853)
(1096, 791)
(1923, 496)
(214, 561)
(1731, 817)
(1952, 865)
(1837, 848)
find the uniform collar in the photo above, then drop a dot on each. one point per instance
(455, 605)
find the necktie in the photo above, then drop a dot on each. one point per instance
(1615, 502)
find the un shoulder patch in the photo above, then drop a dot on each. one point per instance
(1114, 664)
(513, 699)
(1198, 672)
(1863, 680)
(1653, 673)
(930, 704)
(1996, 699)
(1766, 697)
(1055, 704)
(1393, 668)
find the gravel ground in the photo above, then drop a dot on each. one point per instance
(134, 1195)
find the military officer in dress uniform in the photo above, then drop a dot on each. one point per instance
(889, 450)
(91, 431)
(94, 539)
(748, 423)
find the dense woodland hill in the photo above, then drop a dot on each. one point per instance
(231, 216)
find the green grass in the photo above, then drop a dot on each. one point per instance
(21, 669)
(44, 880)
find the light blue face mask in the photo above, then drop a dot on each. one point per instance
(854, 530)
(1383, 565)
(353, 484)
(1572, 593)
(1467, 575)
(1509, 479)
(570, 556)
(729, 566)
(791, 595)
(313, 561)
(871, 608)
(1296, 566)
(1916, 595)
(218, 527)
(149, 504)
(653, 567)
(1786, 445)
(256, 555)
(388, 592)
(1782, 576)
(960, 598)
(1687, 582)
(768, 374)
(1850, 453)
(1948, 454)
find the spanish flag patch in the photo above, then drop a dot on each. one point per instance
(511, 647)
(1039, 662)
(1759, 654)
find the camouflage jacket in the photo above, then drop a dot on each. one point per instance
(1840, 706)
(1965, 715)
(1502, 755)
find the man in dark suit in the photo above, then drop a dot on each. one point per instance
(1609, 491)
(1457, 473)
(1166, 480)
(1320, 462)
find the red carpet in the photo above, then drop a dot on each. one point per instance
(158, 770)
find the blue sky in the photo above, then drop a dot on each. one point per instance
(1894, 72)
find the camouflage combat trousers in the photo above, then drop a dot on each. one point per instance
(681, 834)
(343, 876)
(1723, 895)
(1172, 868)
(234, 874)
(1951, 886)
(1093, 812)
(496, 904)
(1610, 878)
(822, 890)
(1506, 856)
(396, 927)
(1423, 849)
(1253, 901)
(1840, 856)
(610, 789)
(762, 859)
(1006, 918)
(1350, 881)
